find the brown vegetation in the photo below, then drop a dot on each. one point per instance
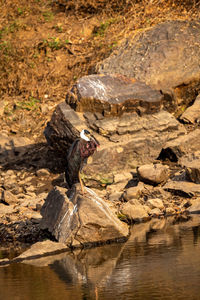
(46, 45)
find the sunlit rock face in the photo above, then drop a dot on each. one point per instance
(112, 95)
(78, 219)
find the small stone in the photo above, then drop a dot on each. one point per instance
(10, 173)
(30, 188)
(134, 211)
(114, 197)
(195, 207)
(123, 176)
(192, 113)
(153, 173)
(155, 203)
(8, 197)
(133, 192)
(191, 163)
(169, 211)
(44, 108)
(6, 209)
(156, 212)
(42, 172)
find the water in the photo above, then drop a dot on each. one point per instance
(159, 261)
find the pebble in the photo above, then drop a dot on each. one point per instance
(42, 172)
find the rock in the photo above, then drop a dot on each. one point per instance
(20, 145)
(41, 249)
(155, 203)
(169, 211)
(4, 261)
(195, 207)
(192, 113)
(153, 173)
(42, 172)
(161, 57)
(115, 197)
(5, 146)
(191, 163)
(183, 145)
(63, 128)
(82, 219)
(6, 209)
(2, 106)
(125, 141)
(8, 198)
(156, 212)
(134, 211)
(185, 203)
(183, 188)
(112, 95)
(157, 192)
(133, 192)
(140, 142)
(122, 177)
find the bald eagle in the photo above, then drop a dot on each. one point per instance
(78, 154)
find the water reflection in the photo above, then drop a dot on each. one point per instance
(159, 261)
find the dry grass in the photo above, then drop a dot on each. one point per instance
(46, 45)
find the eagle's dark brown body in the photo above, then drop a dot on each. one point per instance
(77, 156)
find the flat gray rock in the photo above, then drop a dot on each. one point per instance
(113, 94)
(183, 188)
(41, 249)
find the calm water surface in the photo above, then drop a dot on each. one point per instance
(159, 261)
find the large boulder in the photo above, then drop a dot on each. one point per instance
(80, 220)
(113, 94)
(165, 56)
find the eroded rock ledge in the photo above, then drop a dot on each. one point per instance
(125, 142)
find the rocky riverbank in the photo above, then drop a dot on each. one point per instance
(148, 165)
(151, 191)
